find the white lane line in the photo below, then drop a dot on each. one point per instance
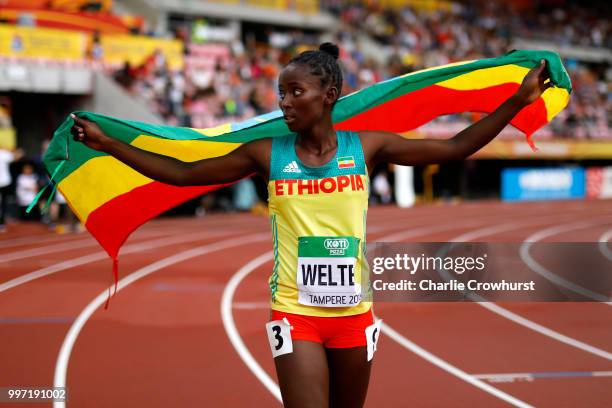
(415, 232)
(251, 305)
(486, 219)
(558, 229)
(437, 361)
(512, 377)
(61, 366)
(101, 255)
(544, 330)
(603, 244)
(524, 321)
(42, 240)
(496, 229)
(232, 331)
(150, 230)
(552, 277)
(64, 246)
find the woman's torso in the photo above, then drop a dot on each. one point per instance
(318, 217)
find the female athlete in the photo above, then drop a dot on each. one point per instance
(321, 332)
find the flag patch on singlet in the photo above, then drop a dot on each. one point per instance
(346, 162)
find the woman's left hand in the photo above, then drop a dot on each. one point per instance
(533, 84)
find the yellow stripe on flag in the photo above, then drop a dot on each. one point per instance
(103, 178)
(555, 99)
(184, 150)
(487, 77)
(215, 131)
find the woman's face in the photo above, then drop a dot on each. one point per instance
(302, 100)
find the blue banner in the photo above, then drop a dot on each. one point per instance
(559, 183)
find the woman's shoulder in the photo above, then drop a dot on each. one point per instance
(260, 151)
(260, 148)
(260, 144)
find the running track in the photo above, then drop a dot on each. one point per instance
(164, 340)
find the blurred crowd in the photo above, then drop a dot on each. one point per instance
(21, 180)
(242, 83)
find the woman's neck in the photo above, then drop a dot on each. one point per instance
(318, 140)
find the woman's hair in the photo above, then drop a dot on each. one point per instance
(322, 63)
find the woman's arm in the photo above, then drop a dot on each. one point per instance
(249, 158)
(392, 148)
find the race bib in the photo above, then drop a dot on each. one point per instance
(372, 334)
(326, 275)
(279, 337)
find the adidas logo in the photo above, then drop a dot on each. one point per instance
(292, 168)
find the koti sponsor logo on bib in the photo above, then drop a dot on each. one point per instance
(336, 246)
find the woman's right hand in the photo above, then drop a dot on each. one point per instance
(89, 133)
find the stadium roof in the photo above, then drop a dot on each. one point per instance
(318, 21)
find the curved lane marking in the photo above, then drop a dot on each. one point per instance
(63, 358)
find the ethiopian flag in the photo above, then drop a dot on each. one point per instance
(346, 162)
(112, 199)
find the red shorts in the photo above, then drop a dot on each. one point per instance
(332, 332)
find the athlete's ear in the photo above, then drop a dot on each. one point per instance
(331, 95)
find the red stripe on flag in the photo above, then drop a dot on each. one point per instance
(419, 107)
(114, 221)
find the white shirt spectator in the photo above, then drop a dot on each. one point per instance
(382, 187)
(6, 157)
(27, 187)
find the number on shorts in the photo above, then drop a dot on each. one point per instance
(372, 334)
(277, 330)
(279, 337)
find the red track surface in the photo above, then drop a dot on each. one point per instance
(162, 342)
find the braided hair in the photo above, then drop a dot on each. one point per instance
(322, 63)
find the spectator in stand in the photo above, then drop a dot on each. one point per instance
(244, 195)
(381, 189)
(62, 217)
(26, 189)
(125, 76)
(96, 51)
(6, 157)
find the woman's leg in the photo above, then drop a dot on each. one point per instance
(303, 376)
(349, 376)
